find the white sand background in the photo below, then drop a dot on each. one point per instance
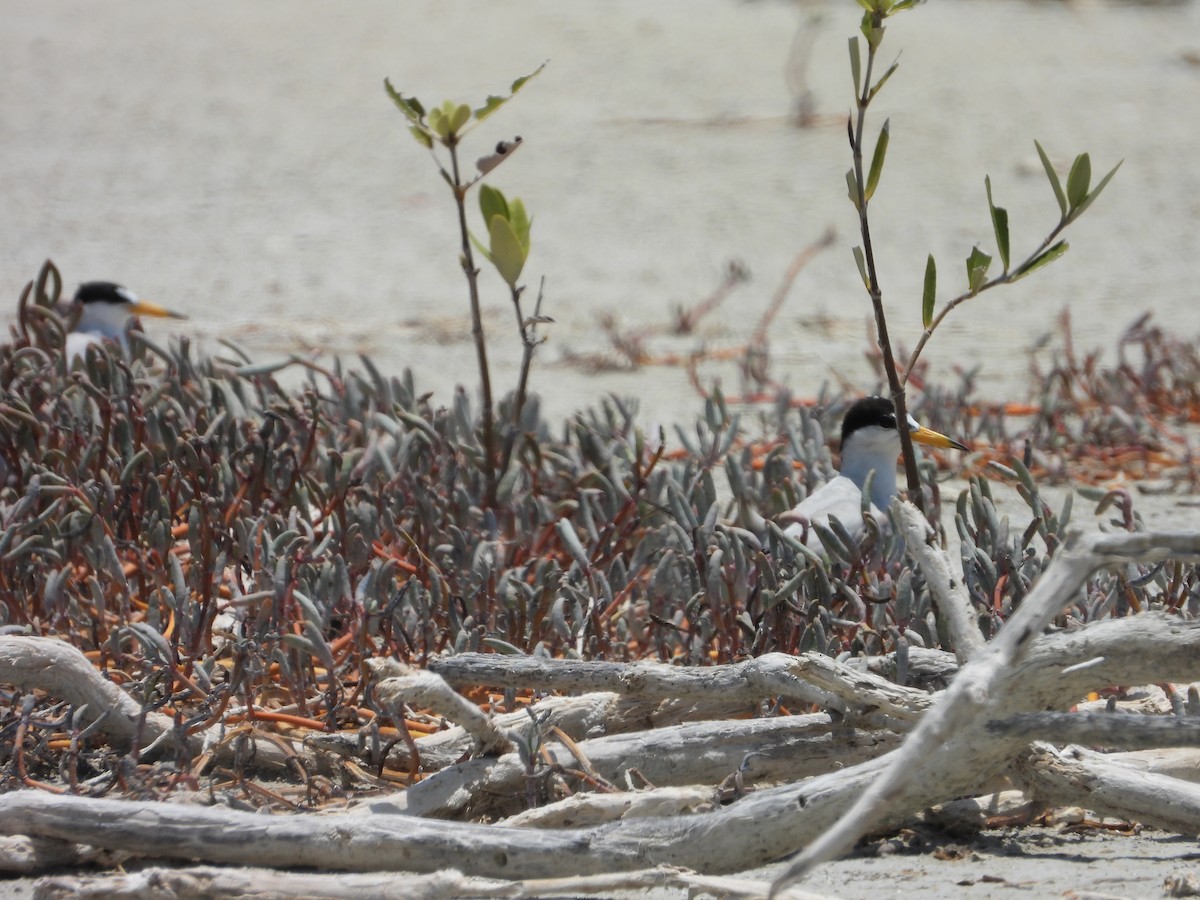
(240, 162)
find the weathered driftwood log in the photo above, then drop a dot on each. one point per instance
(21, 855)
(1110, 787)
(992, 685)
(62, 671)
(808, 678)
(925, 667)
(749, 682)
(584, 810)
(949, 591)
(400, 684)
(763, 750)
(1116, 731)
(760, 827)
(202, 882)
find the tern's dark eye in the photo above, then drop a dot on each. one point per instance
(887, 421)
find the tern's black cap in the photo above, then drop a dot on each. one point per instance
(866, 412)
(103, 292)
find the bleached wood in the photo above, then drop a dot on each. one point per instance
(983, 689)
(766, 750)
(950, 598)
(769, 675)
(1111, 787)
(22, 855)
(583, 810)
(1177, 762)
(428, 690)
(1111, 730)
(204, 882)
(62, 671)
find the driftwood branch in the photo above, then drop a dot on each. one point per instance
(950, 597)
(1112, 730)
(57, 668)
(428, 690)
(1079, 777)
(983, 690)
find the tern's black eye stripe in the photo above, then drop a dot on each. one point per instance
(888, 421)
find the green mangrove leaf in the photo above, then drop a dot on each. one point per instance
(977, 266)
(883, 80)
(1096, 192)
(930, 292)
(1046, 257)
(507, 254)
(492, 203)
(422, 135)
(861, 260)
(459, 117)
(1079, 180)
(520, 222)
(856, 65)
(1054, 180)
(493, 103)
(999, 223)
(877, 160)
(852, 188)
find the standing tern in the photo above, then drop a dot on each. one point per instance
(106, 311)
(870, 443)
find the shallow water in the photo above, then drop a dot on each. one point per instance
(241, 162)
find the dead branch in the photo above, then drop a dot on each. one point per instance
(809, 678)
(1110, 787)
(62, 671)
(428, 690)
(53, 666)
(950, 598)
(989, 686)
(1112, 730)
(762, 750)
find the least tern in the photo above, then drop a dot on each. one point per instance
(870, 443)
(106, 312)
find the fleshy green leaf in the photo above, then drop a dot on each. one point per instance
(1096, 192)
(877, 160)
(482, 249)
(852, 187)
(872, 32)
(422, 135)
(520, 222)
(999, 223)
(460, 117)
(493, 103)
(1047, 257)
(1079, 180)
(1054, 180)
(410, 106)
(507, 254)
(977, 266)
(883, 80)
(439, 123)
(856, 65)
(930, 294)
(861, 260)
(492, 203)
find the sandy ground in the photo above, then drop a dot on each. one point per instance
(240, 162)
